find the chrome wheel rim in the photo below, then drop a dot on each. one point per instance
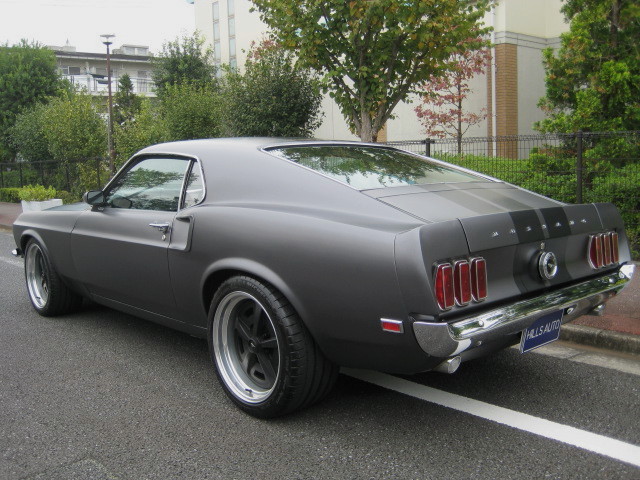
(37, 283)
(246, 347)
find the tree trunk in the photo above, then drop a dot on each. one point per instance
(366, 132)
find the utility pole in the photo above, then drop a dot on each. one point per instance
(112, 154)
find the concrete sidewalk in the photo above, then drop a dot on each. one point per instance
(618, 329)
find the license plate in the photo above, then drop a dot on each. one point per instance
(545, 330)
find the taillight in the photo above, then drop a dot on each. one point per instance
(444, 286)
(462, 282)
(603, 250)
(615, 253)
(478, 279)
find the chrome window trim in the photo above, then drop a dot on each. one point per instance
(141, 156)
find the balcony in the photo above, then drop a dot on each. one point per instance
(98, 84)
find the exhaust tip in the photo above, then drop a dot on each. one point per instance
(449, 366)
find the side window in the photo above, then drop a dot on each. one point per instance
(194, 191)
(151, 184)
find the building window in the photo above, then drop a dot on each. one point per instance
(217, 50)
(232, 33)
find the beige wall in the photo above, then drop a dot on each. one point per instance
(528, 26)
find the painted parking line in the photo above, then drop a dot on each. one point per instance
(609, 447)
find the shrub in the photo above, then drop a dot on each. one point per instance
(10, 195)
(36, 193)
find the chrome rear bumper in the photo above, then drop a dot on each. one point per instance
(447, 339)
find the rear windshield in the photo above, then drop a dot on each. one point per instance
(366, 167)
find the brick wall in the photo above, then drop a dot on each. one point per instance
(506, 79)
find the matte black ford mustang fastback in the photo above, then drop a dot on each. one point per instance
(295, 257)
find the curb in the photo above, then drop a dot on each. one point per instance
(597, 337)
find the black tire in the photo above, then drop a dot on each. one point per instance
(264, 357)
(47, 292)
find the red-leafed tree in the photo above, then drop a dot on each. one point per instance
(441, 111)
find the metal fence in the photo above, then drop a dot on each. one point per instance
(583, 167)
(66, 176)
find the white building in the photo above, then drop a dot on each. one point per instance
(509, 91)
(89, 70)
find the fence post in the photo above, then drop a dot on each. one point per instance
(579, 167)
(20, 170)
(98, 172)
(1, 176)
(427, 147)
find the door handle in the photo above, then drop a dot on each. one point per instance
(163, 227)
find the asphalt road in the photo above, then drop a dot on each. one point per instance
(103, 395)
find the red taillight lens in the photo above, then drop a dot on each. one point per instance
(478, 279)
(462, 282)
(444, 286)
(615, 253)
(595, 251)
(606, 247)
(603, 250)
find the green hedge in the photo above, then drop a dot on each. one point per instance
(10, 195)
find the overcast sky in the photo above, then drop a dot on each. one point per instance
(137, 22)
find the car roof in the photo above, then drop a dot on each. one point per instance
(237, 144)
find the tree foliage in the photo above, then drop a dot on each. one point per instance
(183, 60)
(191, 111)
(273, 97)
(28, 134)
(373, 53)
(74, 128)
(147, 128)
(127, 104)
(593, 82)
(65, 129)
(441, 110)
(28, 75)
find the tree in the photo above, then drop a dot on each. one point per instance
(441, 111)
(593, 82)
(191, 111)
(147, 128)
(127, 104)
(274, 96)
(373, 53)
(28, 134)
(28, 75)
(183, 60)
(74, 128)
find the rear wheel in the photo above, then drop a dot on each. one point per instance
(48, 294)
(264, 356)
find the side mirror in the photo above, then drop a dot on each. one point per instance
(94, 197)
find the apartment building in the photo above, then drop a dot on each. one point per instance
(89, 69)
(509, 90)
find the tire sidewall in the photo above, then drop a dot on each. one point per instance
(33, 243)
(272, 405)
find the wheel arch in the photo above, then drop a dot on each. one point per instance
(222, 270)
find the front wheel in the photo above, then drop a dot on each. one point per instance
(264, 356)
(48, 294)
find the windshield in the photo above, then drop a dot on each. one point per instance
(368, 167)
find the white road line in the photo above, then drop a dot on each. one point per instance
(10, 261)
(616, 449)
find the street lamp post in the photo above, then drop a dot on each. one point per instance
(112, 154)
